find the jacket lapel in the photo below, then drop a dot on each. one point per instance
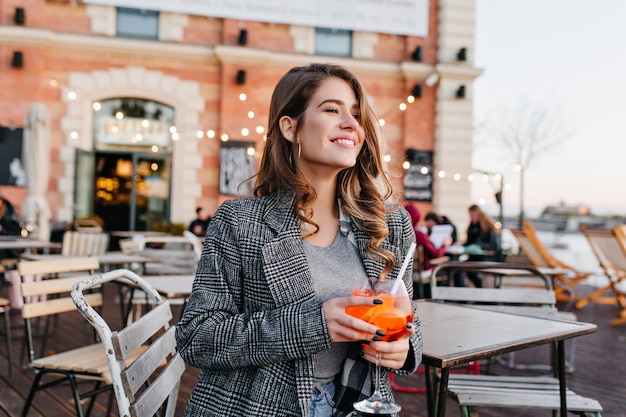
(284, 262)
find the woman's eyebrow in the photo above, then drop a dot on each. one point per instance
(331, 100)
(338, 102)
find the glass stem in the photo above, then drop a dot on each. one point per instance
(377, 376)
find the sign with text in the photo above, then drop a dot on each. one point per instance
(400, 17)
(237, 167)
(131, 131)
(418, 179)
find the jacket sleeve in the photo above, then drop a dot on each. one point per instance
(221, 329)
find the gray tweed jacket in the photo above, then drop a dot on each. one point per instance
(252, 324)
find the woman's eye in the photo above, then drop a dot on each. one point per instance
(332, 110)
(356, 116)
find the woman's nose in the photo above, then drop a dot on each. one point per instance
(349, 122)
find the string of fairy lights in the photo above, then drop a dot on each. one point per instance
(147, 125)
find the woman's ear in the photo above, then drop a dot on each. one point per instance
(287, 128)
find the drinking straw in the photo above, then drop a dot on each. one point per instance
(405, 265)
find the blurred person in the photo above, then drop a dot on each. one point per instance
(446, 220)
(431, 220)
(200, 224)
(429, 251)
(266, 320)
(482, 233)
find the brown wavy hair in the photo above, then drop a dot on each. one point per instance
(362, 189)
(485, 222)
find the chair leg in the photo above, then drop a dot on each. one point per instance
(399, 388)
(75, 395)
(31, 393)
(7, 331)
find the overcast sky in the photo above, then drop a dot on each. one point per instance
(572, 55)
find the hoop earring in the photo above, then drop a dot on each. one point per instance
(299, 150)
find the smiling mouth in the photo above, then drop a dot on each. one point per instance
(344, 142)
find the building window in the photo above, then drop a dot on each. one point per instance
(334, 42)
(137, 23)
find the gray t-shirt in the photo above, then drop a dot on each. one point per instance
(337, 270)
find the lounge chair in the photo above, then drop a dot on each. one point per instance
(611, 255)
(541, 257)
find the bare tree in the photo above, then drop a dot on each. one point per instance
(522, 132)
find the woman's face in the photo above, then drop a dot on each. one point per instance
(331, 136)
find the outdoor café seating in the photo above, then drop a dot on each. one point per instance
(45, 290)
(143, 362)
(500, 390)
(169, 254)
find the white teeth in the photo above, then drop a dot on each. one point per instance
(344, 141)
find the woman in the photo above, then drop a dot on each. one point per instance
(266, 319)
(481, 232)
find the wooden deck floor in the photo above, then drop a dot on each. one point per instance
(600, 369)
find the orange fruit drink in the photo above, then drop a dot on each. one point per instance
(391, 316)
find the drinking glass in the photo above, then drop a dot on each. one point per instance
(391, 317)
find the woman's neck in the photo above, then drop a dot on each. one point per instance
(325, 213)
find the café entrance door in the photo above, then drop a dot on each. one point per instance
(132, 190)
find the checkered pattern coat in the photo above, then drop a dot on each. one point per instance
(252, 324)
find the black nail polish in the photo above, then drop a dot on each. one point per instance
(378, 301)
(376, 339)
(380, 333)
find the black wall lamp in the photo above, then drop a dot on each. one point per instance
(18, 59)
(241, 77)
(462, 54)
(243, 37)
(20, 17)
(416, 91)
(417, 54)
(460, 92)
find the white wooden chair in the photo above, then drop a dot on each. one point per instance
(146, 382)
(509, 391)
(173, 255)
(47, 297)
(84, 243)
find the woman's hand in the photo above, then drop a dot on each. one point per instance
(341, 326)
(393, 354)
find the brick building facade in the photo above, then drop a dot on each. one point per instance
(70, 58)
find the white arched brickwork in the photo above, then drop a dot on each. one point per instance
(184, 96)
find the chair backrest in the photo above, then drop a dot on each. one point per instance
(535, 301)
(46, 289)
(144, 384)
(608, 250)
(87, 225)
(195, 243)
(173, 254)
(530, 250)
(620, 232)
(547, 258)
(84, 243)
